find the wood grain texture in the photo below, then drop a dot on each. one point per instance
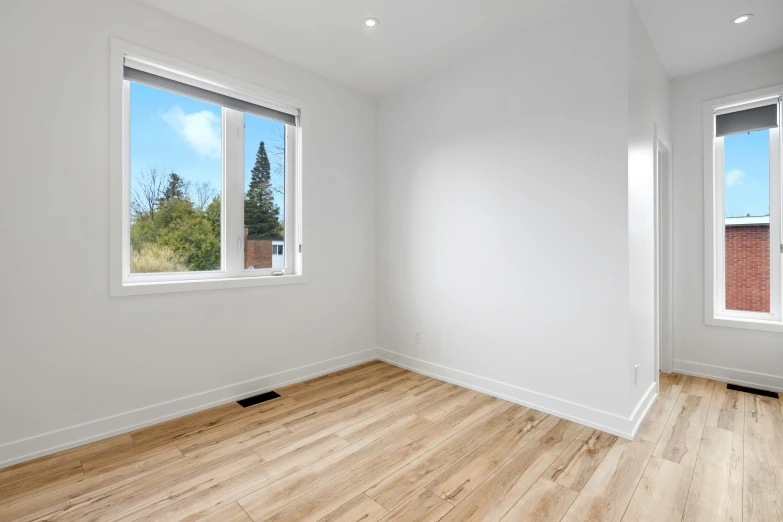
(727, 409)
(461, 479)
(230, 513)
(545, 501)
(698, 386)
(763, 460)
(670, 384)
(400, 486)
(661, 493)
(325, 499)
(423, 506)
(653, 425)
(716, 487)
(379, 443)
(574, 467)
(608, 492)
(680, 439)
(361, 509)
(498, 494)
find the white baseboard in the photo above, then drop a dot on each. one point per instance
(47, 443)
(58, 440)
(625, 427)
(740, 377)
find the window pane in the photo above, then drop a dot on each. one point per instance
(264, 193)
(746, 189)
(176, 173)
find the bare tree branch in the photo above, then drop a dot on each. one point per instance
(203, 194)
(277, 160)
(147, 191)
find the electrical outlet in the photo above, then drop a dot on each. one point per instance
(636, 374)
(417, 335)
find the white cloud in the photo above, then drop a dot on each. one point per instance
(200, 129)
(734, 177)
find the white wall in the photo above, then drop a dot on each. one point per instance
(648, 109)
(71, 355)
(519, 156)
(749, 356)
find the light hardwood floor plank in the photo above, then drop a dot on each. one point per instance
(387, 417)
(460, 480)
(313, 452)
(58, 498)
(498, 494)
(545, 501)
(424, 387)
(361, 509)
(606, 495)
(661, 493)
(343, 382)
(271, 497)
(727, 409)
(559, 433)
(456, 421)
(398, 487)
(246, 435)
(323, 500)
(143, 500)
(43, 464)
(763, 460)
(377, 442)
(681, 437)
(670, 385)
(37, 484)
(423, 506)
(654, 423)
(230, 513)
(716, 487)
(574, 467)
(116, 492)
(698, 386)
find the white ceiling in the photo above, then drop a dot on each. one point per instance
(414, 37)
(693, 35)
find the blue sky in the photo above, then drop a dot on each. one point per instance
(746, 181)
(174, 133)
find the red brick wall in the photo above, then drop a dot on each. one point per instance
(747, 268)
(258, 252)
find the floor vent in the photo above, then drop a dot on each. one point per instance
(268, 396)
(765, 393)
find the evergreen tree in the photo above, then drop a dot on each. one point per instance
(261, 212)
(176, 189)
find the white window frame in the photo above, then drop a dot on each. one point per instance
(715, 313)
(233, 273)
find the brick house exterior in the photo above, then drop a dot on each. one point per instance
(260, 253)
(747, 264)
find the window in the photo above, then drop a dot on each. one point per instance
(207, 179)
(743, 202)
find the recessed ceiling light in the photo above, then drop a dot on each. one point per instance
(370, 22)
(742, 19)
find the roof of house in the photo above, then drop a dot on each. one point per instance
(747, 221)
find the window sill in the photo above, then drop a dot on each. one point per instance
(745, 324)
(120, 290)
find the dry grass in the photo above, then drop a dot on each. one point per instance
(154, 258)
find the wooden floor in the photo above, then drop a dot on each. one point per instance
(376, 442)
